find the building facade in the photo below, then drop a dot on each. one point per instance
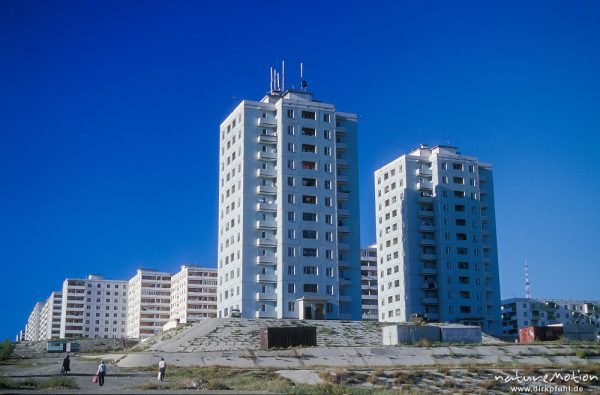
(436, 238)
(518, 313)
(368, 283)
(148, 303)
(32, 329)
(51, 316)
(93, 308)
(288, 210)
(193, 294)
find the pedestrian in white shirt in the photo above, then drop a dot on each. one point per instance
(162, 368)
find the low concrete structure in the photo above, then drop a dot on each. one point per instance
(409, 334)
(582, 332)
(453, 333)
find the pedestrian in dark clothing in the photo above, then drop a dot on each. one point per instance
(101, 373)
(66, 365)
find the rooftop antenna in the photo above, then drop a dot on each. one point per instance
(271, 82)
(283, 75)
(527, 284)
(303, 84)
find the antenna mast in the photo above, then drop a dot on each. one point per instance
(527, 284)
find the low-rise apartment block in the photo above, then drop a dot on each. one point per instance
(149, 303)
(193, 294)
(522, 312)
(368, 280)
(93, 308)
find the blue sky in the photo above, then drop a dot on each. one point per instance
(109, 115)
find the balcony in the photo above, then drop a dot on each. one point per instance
(484, 218)
(267, 122)
(345, 281)
(266, 296)
(482, 178)
(343, 212)
(483, 204)
(428, 271)
(343, 246)
(342, 179)
(267, 139)
(265, 155)
(266, 207)
(264, 242)
(266, 190)
(266, 173)
(427, 242)
(425, 199)
(342, 195)
(266, 314)
(341, 146)
(428, 257)
(429, 286)
(485, 232)
(430, 301)
(427, 228)
(340, 130)
(345, 298)
(266, 278)
(424, 185)
(343, 229)
(266, 260)
(343, 263)
(426, 214)
(341, 162)
(423, 172)
(266, 224)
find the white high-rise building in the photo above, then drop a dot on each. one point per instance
(368, 283)
(436, 237)
(288, 210)
(50, 316)
(193, 294)
(148, 303)
(32, 329)
(93, 308)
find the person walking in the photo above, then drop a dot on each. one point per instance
(101, 373)
(162, 368)
(66, 366)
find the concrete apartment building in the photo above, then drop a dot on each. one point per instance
(32, 329)
(436, 237)
(368, 283)
(288, 210)
(518, 313)
(193, 294)
(148, 303)
(93, 308)
(51, 316)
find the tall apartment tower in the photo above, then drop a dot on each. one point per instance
(51, 316)
(93, 307)
(436, 238)
(32, 329)
(288, 210)
(193, 294)
(368, 283)
(148, 303)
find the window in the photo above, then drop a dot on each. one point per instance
(307, 165)
(327, 151)
(309, 182)
(291, 306)
(310, 288)
(307, 199)
(292, 270)
(291, 216)
(312, 252)
(461, 222)
(471, 169)
(309, 132)
(462, 251)
(327, 134)
(291, 198)
(309, 148)
(292, 288)
(459, 194)
(291, 252)
(459, 207)
(329, 290)
(290, 130)
(327, 118)
(291, 147)
(309, 234)
(328, 219)
(461, 236)
(290, 113)
(310, 217)
(328, 202)
(290, 181)
(463, 280)
(458, 180)
(291, 234)
(309, 115)
(329, 272)
(312, 270)
(465, 309)
(291, 164)
(457, 166)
